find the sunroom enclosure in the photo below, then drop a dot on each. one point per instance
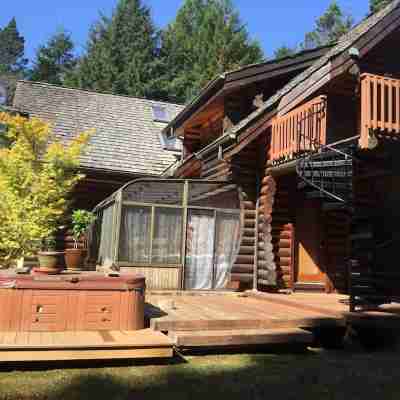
(190, 226)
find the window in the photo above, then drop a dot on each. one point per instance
(167, 238)
(135, 235)
(105, 253)
(151, 235)
(160, 114)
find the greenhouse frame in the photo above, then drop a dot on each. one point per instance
(179, 233)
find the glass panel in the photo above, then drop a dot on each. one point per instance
(135, 235)
(159, 192)
(106, 235)
(94, 237)
(199, 250)
(227, 246)
(167, 242)
(213, 195)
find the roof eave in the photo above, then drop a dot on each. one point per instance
(202, 98)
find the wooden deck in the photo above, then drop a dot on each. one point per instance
(253, 318)
(95, 345)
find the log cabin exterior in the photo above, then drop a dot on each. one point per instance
(312, 142)
(127, 141)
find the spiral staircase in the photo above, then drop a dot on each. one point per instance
(327, 174)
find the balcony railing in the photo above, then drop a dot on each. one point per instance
(380, 106)
(301, 130)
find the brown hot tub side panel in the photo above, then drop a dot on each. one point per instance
(57, 305)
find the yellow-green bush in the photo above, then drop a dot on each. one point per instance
(37, 173)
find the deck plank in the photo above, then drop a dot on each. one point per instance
(241, 337)
(49, 346)
(232, 311)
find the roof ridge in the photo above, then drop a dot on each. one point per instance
(40, 83)
(319, 63)
(275, 59)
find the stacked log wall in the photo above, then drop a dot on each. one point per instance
(266, 268)
(283, 232)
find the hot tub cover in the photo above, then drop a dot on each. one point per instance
(85, 281)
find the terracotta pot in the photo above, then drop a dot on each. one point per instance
(74, 258)
(50, 261)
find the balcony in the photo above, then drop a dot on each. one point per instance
(380, 107)
(301, 130)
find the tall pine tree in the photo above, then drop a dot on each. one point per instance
(206, 39)
(376, 5)
(121, 53)
(12, 60)
(329, 27)
(12, 48)
(55, 60)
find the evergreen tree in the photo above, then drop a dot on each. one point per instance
(55, 60)
(12, 60)
(376, 5)
(12, 48)
(206, 39)
(121, 53)
(284, 51)
(329, 27)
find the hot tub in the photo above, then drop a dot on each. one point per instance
(84, 302)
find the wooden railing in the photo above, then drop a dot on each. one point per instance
(303, 129)
(380, 106)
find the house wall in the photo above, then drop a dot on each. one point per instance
(283, 230)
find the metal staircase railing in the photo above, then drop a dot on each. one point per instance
(327, 173)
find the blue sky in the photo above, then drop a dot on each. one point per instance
(272, 22)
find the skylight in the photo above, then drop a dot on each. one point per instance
(160, 114)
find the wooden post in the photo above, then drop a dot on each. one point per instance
(184, 233)
(255, 270)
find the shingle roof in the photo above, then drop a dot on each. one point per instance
(302, 81)
(126, 138)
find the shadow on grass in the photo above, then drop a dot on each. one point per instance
(329, 375)
(251, 373)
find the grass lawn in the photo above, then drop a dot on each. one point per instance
(311, 375)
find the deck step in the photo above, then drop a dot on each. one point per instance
(83, 345)
(242, 337)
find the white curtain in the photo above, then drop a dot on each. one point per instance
(167, 242)
(200, 250)
(135, 235)
(227, 246)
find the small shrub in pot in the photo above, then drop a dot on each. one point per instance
(81, 220)
(50, 260)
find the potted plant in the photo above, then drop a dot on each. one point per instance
(50, 260)
(81, 220)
